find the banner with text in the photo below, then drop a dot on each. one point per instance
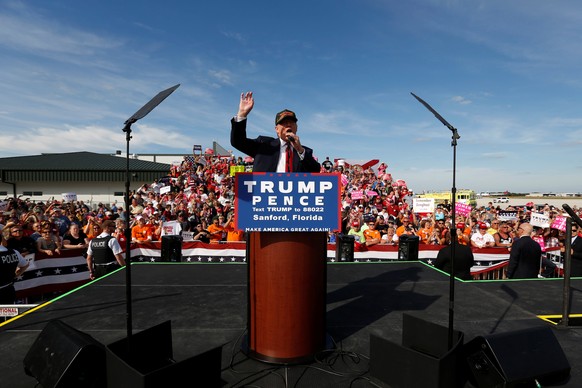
(540, 219)
(462, 209)
(423, 205)
(291, 202)
(507, 216)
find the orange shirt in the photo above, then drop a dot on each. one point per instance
(232, 234)
(467, 236)
(214, 235)
(370, 234)
(425, 234)
(141, 233)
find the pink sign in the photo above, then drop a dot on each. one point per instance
(559, 223)
(462, 209)
(344, 180)
(540, 240)
(357, 194)
(371, 193)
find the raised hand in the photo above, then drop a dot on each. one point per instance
(246, 104)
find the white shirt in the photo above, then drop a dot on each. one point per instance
(170, 228)
(394, 239)
(482, 239)
(282, 156)
(113, 244)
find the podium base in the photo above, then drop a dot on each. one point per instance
(305, 359)
(287, 283)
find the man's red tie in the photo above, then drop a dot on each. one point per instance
(289, 158)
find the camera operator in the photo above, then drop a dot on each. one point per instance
(201, 234)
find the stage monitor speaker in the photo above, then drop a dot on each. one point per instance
(63, 357)
(344, 248)
(172, 248)
(517, 358)
(408, 247)
(423, 359)
(146, 361)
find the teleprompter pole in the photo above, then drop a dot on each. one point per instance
(453, 218)
(142, 112)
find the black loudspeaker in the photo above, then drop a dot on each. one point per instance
(146, 361)
(63, 357)
(424, 358)
(171, 248)
(344, 248)
(408, 247)
(517, 358)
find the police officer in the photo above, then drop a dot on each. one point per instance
(104, 252)
(12, 264)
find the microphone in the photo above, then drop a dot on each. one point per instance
(291, 138)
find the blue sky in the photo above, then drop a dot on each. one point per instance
(506, 74)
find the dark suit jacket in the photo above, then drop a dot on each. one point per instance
(266, 150)
(464, 260)
(524, 259)
(576, 257)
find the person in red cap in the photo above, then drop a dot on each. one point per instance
(463, 233)
(482, 239)
(357, 232)
(282, 154)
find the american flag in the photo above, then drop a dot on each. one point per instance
(47, 274)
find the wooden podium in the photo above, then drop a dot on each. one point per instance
(287, 281)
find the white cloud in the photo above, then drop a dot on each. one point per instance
(236, 36)
(224, 77)
(461, 100)
(31, 33)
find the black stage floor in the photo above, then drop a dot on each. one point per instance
(207, 304)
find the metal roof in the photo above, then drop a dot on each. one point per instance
(76, 166)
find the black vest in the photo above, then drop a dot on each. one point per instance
(8, 264)
(102, 254)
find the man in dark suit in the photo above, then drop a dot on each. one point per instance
(525, 255)
(464, 258)
(576, 261)
(282, 154)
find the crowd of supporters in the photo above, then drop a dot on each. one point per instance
(197, 196)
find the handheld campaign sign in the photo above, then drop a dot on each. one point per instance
(540, 219)
(287, 202)
(463, 209)
(423, 205)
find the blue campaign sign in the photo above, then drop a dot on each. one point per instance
(287, 202)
